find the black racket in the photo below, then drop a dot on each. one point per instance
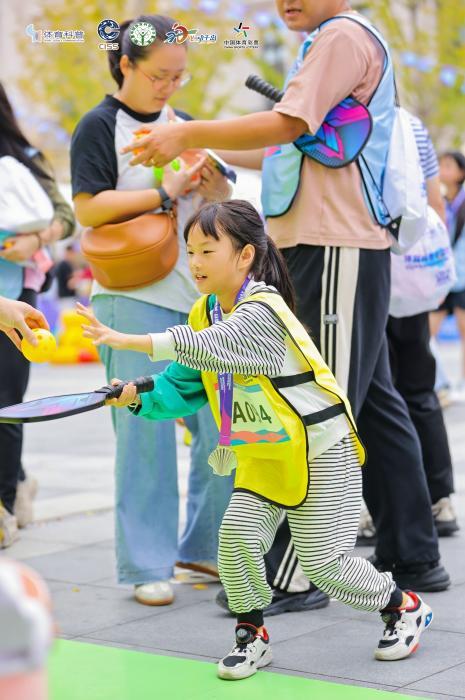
(53, 407)
(339, 140)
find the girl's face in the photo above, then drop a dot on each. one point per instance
(216, 266)
(449, 172)
(149, 83)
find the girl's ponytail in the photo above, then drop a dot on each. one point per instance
(275, 273)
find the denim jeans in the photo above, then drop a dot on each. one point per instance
(146, 515)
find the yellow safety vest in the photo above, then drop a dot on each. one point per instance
(269, 433)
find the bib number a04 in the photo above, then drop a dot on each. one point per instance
(253, 419)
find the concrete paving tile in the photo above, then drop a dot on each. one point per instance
(190, 626)
(77, 564)
(78, 530)
(347, 651)
(449, 609)
(79, 609)
(448, 547)
(446, 682)
(75, 503)
(25, 548)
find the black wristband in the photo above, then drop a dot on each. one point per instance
(166, 201)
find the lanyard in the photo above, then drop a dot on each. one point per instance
(225, 379)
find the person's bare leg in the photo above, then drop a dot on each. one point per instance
(435, 320)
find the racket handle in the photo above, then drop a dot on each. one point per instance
(142, 385)
(261, 86)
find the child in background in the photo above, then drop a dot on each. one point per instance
(284, 423)
(452, 174)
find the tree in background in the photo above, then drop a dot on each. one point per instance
(428, 42)
(69, 79)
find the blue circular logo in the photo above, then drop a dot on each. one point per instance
(108, 30)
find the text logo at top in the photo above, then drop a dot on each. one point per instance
(108, 30)
(142, 34)
(52, 36)
(241, 39)
(241, 30)
(178, 34)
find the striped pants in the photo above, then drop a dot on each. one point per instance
(323, 530)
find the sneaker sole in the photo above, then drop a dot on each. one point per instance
(429, 587)
(399, 652)
(228, 674)
(164, 601)
(446, 529)
(319, 600)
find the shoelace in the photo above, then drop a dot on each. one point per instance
(241, 649)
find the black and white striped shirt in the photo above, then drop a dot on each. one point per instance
(251, 342)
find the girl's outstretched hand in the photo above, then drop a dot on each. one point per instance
(128, 395)
(98, 332)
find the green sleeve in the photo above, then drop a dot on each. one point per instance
(178, 392)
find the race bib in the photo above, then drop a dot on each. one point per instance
(253, 418)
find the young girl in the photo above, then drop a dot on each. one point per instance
(452, 174)
(283, 421)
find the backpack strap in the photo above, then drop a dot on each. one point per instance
(459, 224)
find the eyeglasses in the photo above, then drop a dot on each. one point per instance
(179, 81)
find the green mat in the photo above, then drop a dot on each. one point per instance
(89, 672)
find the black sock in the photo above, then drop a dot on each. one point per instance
(254, 617)
(395, 601)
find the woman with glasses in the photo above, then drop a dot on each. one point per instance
(107, 190)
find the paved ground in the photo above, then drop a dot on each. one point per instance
(72, 546)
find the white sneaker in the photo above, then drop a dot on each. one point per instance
(403, 629)
(156, 593)
(251, 652)
(25, 494)
(8, 528)
(444, 517)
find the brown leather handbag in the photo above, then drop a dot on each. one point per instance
(132, 253)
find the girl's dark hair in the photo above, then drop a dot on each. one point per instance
(12, 140)
(162, 25)
(241, 222)
(459, 159)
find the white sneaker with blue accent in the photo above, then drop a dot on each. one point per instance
(404, 627)
(251, 652)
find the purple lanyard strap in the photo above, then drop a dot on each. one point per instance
(225, 379)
